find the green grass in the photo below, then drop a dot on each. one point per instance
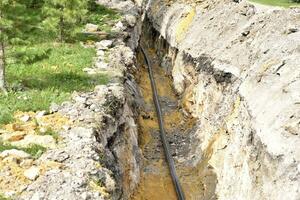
(34, 150)
(105, 20)
(3, 198)
(41, 71)
(53, 79)
(282, 3)
(52, 133)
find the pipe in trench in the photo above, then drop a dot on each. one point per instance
(169, 159)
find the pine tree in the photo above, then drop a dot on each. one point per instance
(63, 16)
(9, 18)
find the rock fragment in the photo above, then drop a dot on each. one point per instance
(131, 20)
(32, 173)
(53, 108)
(104, 44)
(25, 118)
(91, 28)
(14, 153)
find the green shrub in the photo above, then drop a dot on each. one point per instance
(29, 55)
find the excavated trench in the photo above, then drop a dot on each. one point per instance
(198, 181)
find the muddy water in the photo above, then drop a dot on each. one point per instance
(156, 183)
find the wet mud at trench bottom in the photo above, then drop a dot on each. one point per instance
(156, 182)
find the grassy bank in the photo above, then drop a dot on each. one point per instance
(41, 70)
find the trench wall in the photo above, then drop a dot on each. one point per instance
(235, 67)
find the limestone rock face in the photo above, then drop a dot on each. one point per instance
(236, 68)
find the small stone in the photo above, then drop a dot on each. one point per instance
(245, 33)
(25, 118)
(9, 193)
(120, 26)
(90, 71)
(14, 153)
(104, 44)
(23, 188)
(43, 130)
(87, 69)
(54, 108)
(40, 114)
(61, 156)
(85, 196)
(110, 183)
(131, 20)
(37, 196)
(32, 173)
(102, 65)
(101, 89)
(100, 53)
(291, 30)
(66, 127)
(43, 140)
(91, 28)
(93, 107)
(80, 99)
(26, 163)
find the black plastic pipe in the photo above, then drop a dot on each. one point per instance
(165, 143)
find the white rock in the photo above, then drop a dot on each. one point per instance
(90, 71)
(87, 69)
(9, 193)
(110, 183)
(93, 107)
(85, 196)
(120, 26)
(37, 196)
(100, 53)
(101, 65)
(15, 153)
(131, 20)
(66, 127)
(43, 140)
(32, 173)
(80, 99)
(104, 44)
(40, 114)
(25, 118)
(53, 108)
(91, 28)
(43, 130)
(25, 163)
